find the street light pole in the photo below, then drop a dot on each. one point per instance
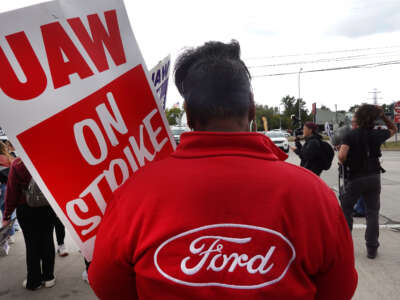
(301, 69)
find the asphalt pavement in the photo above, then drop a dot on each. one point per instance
(378, 279)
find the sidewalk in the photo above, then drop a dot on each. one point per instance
(68, 271)
(378, 278)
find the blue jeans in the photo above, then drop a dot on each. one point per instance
(360, 206)
(3, 188)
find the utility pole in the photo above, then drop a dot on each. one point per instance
(375, 98)
(336, 114)
(301, 69)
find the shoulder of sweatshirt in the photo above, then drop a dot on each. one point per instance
(21, 171)
(296, 182)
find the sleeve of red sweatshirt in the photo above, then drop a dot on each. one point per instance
(339, 280)
(111, 274)
(15, 184)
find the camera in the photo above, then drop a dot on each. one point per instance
(339, 134)
(297, 125)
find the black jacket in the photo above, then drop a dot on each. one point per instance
(310, 153)
(4, 174)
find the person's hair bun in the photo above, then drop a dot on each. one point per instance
(209, 51)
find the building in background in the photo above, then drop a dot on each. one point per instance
(323, 116)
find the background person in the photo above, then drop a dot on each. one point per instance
(11, 148)
(359, 208)
(167, 235)
(37, 226)
(310, 153)
(360, 152)
(5, 162)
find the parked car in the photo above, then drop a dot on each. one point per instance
(284, 132)
(279, 139)
(177, 131)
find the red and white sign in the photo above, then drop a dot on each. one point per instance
(397, 112)
(78, 105)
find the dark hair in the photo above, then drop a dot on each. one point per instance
(312, 126)
(366, 115)
(214, 82)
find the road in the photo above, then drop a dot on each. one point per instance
(393, 138)
(378, 279)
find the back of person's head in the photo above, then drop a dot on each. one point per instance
(312, 126)
(214, 82)
(9, 145)
(367, 115)
(3, 149)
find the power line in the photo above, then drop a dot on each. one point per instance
(324, 52)
(333, 59)
(371, 65)
(375, 93)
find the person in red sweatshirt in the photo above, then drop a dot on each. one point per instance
(224, 217)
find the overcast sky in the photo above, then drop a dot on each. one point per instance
(279, 28)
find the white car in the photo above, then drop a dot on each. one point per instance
(279, 139)
(284, 132)
(177, 131)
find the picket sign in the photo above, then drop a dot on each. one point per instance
(397, 113)
(79, 105)
(159, 76)
(328, 131)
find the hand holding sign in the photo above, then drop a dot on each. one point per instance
(85, 119)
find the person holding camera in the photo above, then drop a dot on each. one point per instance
(310, 152)
(359, 154)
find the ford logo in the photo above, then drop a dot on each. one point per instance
(233, 256)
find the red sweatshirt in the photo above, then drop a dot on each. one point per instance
(224, 218)
(18, 180)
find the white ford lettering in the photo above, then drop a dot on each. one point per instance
(234, 259)
(210, 254)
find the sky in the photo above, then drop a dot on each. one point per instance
(281, 37)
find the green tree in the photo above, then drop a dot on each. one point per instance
(323, 107)
(174, 115)
(272, 115)
(388, 108)
(291, 107)
(354, 108)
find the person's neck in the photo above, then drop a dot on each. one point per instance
(224, 126)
